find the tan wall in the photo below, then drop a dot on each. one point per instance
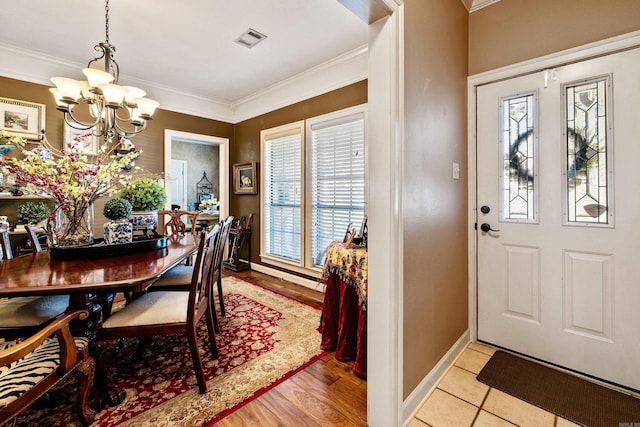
(151, 141)
(512, 31)
(247, 143)
(434, 204)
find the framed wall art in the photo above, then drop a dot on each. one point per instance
(25, 119)
(85, 140)
(245, 178)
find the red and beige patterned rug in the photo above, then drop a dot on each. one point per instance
(264, 339)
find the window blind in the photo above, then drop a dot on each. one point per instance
(282, 205)
(337, 181)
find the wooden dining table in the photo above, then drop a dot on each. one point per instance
(84, 279)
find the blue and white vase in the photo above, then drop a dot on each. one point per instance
(144, 220)
(117, 232)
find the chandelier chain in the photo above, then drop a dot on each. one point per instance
(106, 20)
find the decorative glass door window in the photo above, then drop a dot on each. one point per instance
(587, 146)
(518, 142)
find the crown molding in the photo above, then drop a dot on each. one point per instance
(473, 5)
(35, 67)
(341, 71)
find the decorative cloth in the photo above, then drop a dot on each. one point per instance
(351, 264)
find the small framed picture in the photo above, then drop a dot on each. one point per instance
(245, 178)
(25, 119)
(86, 142)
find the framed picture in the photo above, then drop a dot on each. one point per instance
(25, 119)
(245, 178)
(85, 140)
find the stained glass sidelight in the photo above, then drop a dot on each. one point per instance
(518, 158)
(587, 184)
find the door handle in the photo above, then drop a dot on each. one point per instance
(486, 228)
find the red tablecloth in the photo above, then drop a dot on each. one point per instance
(344, 317)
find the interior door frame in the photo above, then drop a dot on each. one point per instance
(223, 146)
(538, 65)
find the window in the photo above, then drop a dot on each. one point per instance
(587, 184)
(519, 198)
(325, 157)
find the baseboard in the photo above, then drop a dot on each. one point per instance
(307, 283)
(422, 391)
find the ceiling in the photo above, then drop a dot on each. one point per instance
(184, 55)
(186, 48)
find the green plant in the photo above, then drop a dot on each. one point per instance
(116, 209)
(144, 194)
(32, 212)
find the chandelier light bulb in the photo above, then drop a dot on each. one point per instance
(132, 94)
(68, 89)
(97, 77)
(147, 107)
(62, 106)
(113, 94)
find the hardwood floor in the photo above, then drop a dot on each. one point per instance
(326, 393)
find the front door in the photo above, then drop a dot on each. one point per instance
(558, 198)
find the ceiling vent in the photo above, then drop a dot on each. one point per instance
(250, 38)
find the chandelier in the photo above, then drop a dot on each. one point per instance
(113, 110)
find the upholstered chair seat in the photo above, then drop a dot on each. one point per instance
(152, 308)
(31, 311)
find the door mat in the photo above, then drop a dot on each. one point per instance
(563, 394)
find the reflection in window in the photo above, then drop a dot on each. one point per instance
(518, 149)
(587, 184)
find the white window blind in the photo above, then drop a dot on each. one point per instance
(282, 201)
(337, 180)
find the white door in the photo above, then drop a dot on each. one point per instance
(560, 280)
(178, 180)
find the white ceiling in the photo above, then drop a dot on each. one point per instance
(183, 53)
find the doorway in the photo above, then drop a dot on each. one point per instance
(222, 144)
(556, 264)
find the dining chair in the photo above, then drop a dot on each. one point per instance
(32, 233)
(33, 366)
(22, 316)
(172, 312)
(179, 276)
(176, 225)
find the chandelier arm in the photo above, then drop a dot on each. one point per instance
(127, 133)
(72, 121)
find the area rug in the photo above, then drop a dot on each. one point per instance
(264, 339)
(563, 394)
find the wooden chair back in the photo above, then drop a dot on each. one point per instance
(220, 245)
(32, 233)
(5, 243)
(176, 225)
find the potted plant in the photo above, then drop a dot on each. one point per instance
(146, 196)
(32, 212)
(119, 229)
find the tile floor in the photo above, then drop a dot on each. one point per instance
(459, 400)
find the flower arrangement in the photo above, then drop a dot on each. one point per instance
(209, 204)
(71, 179)
(144, 194)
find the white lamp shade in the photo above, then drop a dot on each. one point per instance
(69, 90)
(62, 106)
(147, 107)
(86, 92)
(132, 94)
(136, 118)
(113, 94)
(97, 77)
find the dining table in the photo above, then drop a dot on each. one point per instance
(89, 280)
